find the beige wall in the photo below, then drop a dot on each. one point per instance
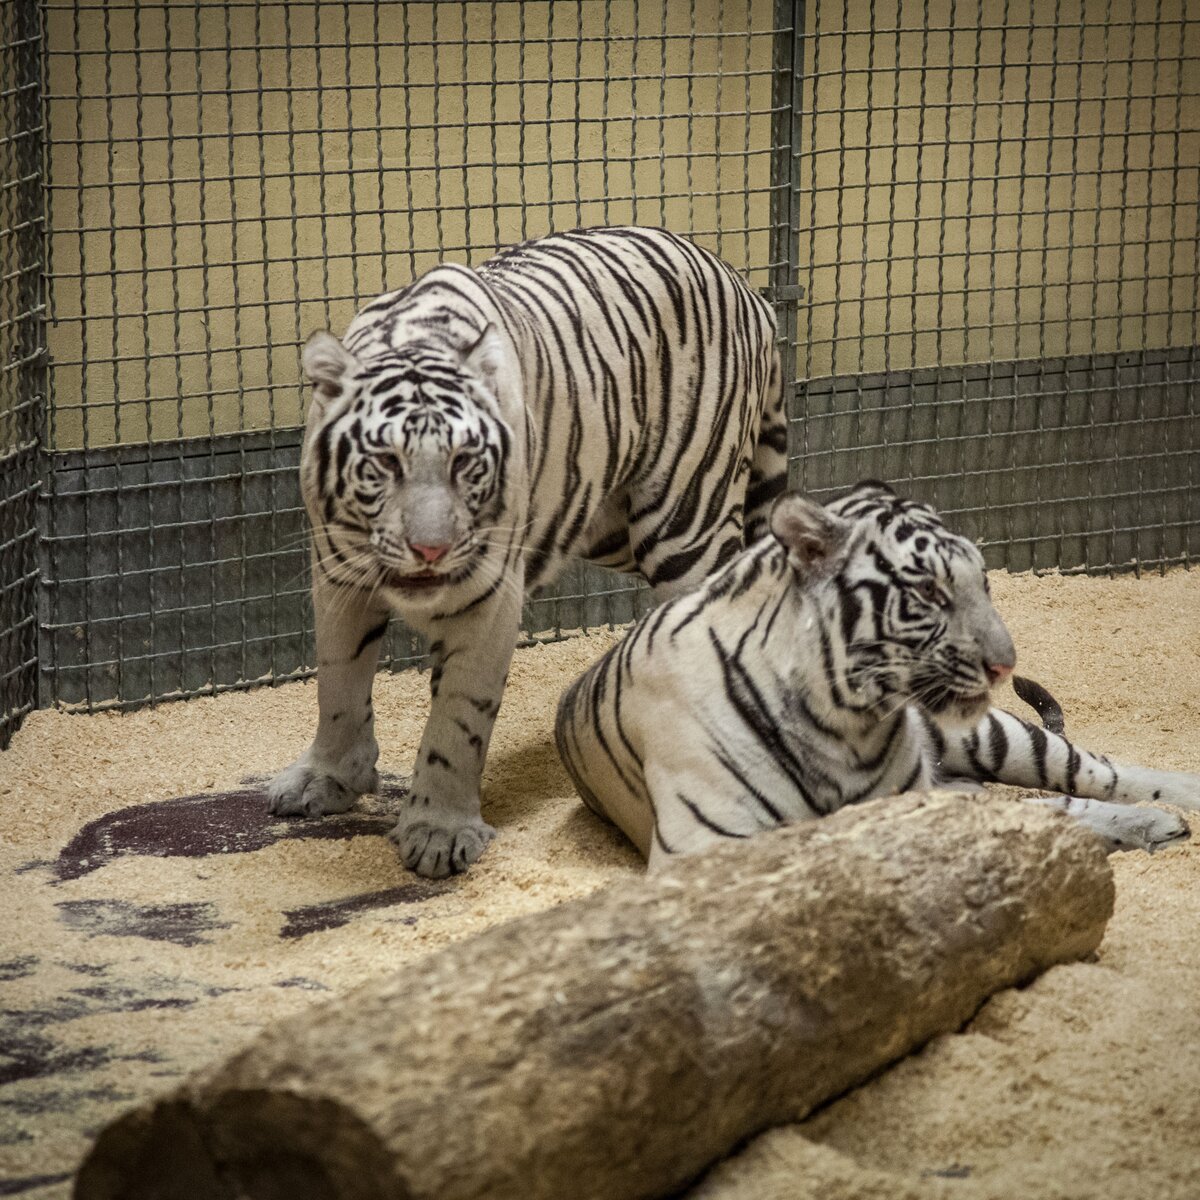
(228, 177)
(958, 210)
(270, 212)
(19, 262)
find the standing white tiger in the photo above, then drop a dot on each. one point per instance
(613, 394)
(847, 656)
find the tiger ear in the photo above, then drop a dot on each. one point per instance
(485, 356)
(811, 534)
(326, 364)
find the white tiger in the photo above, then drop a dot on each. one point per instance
(613, 394)
(847, 656)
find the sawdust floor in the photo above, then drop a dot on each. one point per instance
(154, 918)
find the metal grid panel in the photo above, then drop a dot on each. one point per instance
(21, 358)
(992, 208)
(224, 177)
(1011, 184)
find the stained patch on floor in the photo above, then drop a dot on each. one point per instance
(187, 924)
(196, 827)
(313, 918)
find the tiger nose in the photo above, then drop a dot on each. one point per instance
(429, 553)
(997, 671)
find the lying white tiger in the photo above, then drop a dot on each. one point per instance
(610, 393)
(847, 656)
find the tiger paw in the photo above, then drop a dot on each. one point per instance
(437, 848)
(1124, 826)
(303, 790)
(1147, 829)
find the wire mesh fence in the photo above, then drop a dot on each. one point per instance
(997, 206)
(21, 362)
(226, 177)
(978, 224)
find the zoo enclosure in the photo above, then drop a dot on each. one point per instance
(978, 224)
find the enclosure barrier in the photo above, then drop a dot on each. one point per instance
(977, 222)
(22, 395)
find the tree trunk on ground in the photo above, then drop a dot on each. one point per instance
(618, 1045)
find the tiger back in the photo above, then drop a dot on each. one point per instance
(848, 655)
(612, 394)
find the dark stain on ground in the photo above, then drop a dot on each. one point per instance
(14, 1187)
(29, 1051)
(33, 864)
(305, 984)
(93, 969)
(17, 968)
(184, 923)
(38, 1102)
(142, 1003)
(210, 823)
(25, 1054)
(957, 1171)
(315, 917)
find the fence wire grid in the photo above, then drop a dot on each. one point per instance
(978, 224)
(997, 210)
(21, 361)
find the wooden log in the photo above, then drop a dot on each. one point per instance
(618, 1045)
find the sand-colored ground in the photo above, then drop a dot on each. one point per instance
(146, 932)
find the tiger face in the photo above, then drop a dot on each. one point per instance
(405, 460)
(909, 601)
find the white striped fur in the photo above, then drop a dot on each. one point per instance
(611, 393)
(847, 655)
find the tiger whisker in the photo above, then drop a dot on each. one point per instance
(321, 562)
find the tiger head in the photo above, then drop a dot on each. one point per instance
(405, 460)
(906, 605)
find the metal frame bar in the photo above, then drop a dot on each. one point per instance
(22, 358)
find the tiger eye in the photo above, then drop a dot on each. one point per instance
(930, 590)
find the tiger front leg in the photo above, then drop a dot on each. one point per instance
(339, 766)
(1006, 749)
(1121, 826)
(442, 832)
(1097, 792)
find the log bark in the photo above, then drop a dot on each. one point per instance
(616, 1046)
